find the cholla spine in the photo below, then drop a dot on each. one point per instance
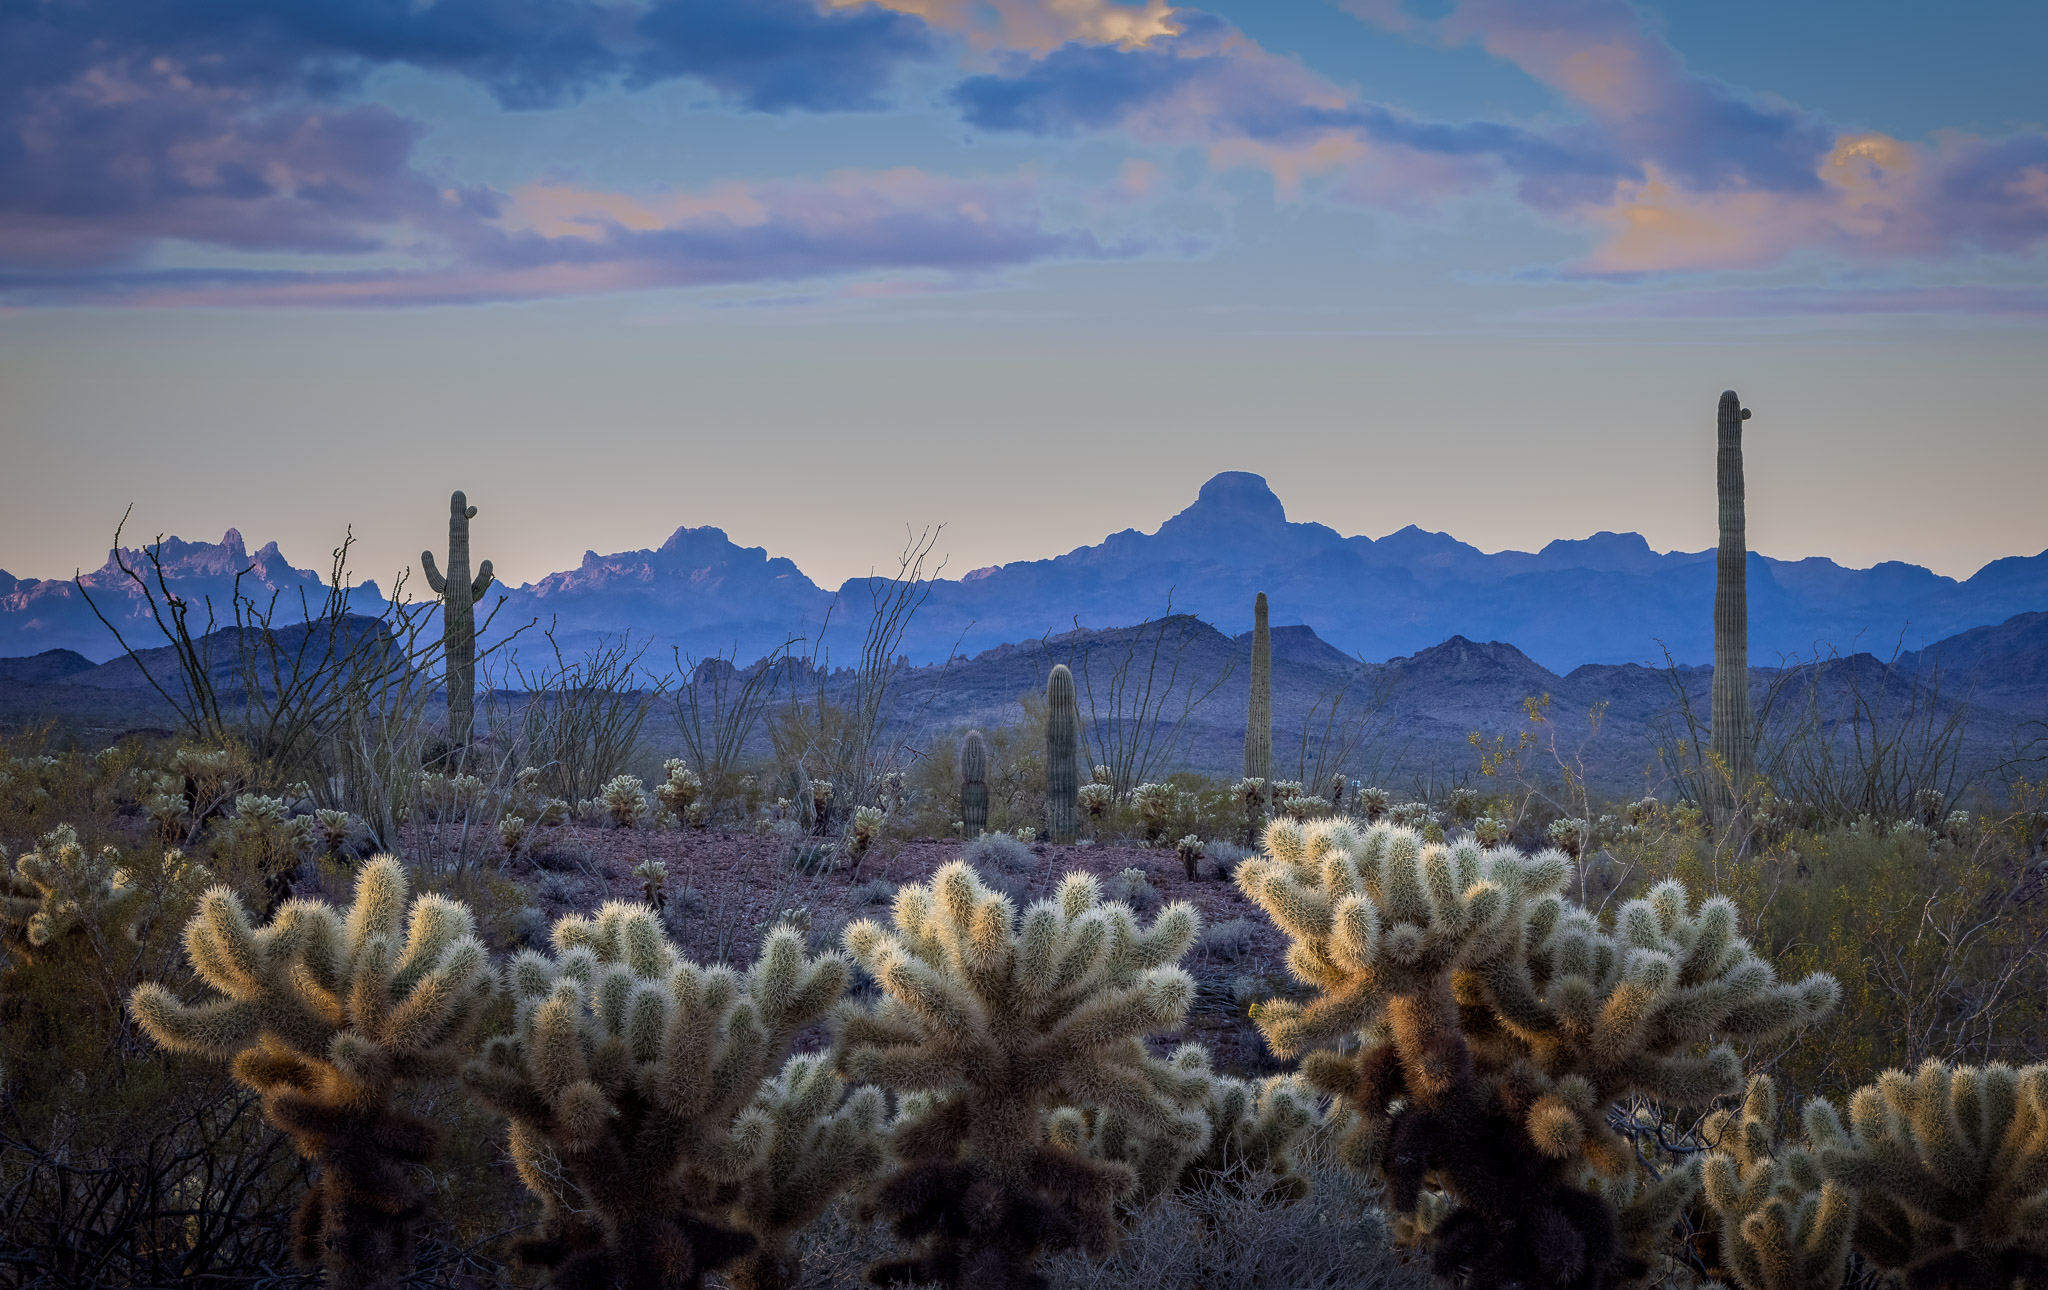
(973, 785)
(459, 593)
(988, 1023)
(329, 1015)
(627, 1079)
(1062, 756)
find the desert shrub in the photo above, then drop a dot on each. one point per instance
(1002, 862)
(1229, 941)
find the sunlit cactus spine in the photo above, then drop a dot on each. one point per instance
(973, 785)
(459, 593)
(628, 1078)
(332, 1016)
(1729, 707)
(1783, 1226)
(822, 1141)
(989, 1023)
(1258, 728)
(1062, 756)
(1950, 1165)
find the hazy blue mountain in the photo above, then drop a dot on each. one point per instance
(1608, 598)
(43, 614)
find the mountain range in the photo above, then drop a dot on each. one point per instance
(1606, 599)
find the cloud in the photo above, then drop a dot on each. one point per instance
(1041, 26)
(549, 240)
(1710, 177)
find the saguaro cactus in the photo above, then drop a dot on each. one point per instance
(973, 785)
(330, 1016)
(459, 593)
(1258, 729)
(1730, 705)
(1062, 760)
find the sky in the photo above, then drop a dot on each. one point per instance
(818, 271)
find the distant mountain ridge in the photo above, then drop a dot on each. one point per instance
(1606, 599)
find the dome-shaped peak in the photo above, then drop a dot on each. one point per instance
(231, 541)
(1242, 496)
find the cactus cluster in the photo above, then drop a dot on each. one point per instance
(330, 1016)
(990, 1022)
(1495, 1024)
(62, 887)
(1782, 1225)
(628, 1079)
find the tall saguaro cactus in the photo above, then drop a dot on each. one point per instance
(1062, 762)
(973, 785)
(458, 592)
(1258, 729)
(1730, 711)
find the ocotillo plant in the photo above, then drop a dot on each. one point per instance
(1497, 1023)
(1729, 710)
(330, 1016)
(988, 1024)
(1062, 756)
(1782, 1225)
(973, 785)
(1258, 726)
(1951, 1170)
(627, 1078)
(459, 593)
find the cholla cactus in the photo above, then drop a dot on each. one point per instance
(166, 811)
(988, 1023)
(1305, 806)
(821, 800)
(1101, 775)
(1373, 802)
(551, 812)
(59, 888)
(330, 1015)
(867, 830)
(1951, 1167)
(335, 829)
(1462, 804)
(1570, 836)
(1782, 1225)
(1096, 799)
(821, 1141)
(1930, 805)
(680, 787)
(624, 799)
(1189, 849)
(1490, 832)
(1154, 804)
(973, 786)
(1285, 791)
(512, 834)
(1250, 793)
(653, 876)
(1497, 1023)
(627, 1078)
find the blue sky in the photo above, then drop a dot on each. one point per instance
(814, 269)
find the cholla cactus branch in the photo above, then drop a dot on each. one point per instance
(989, 1021)
(628, 1076)
(330, 1015)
